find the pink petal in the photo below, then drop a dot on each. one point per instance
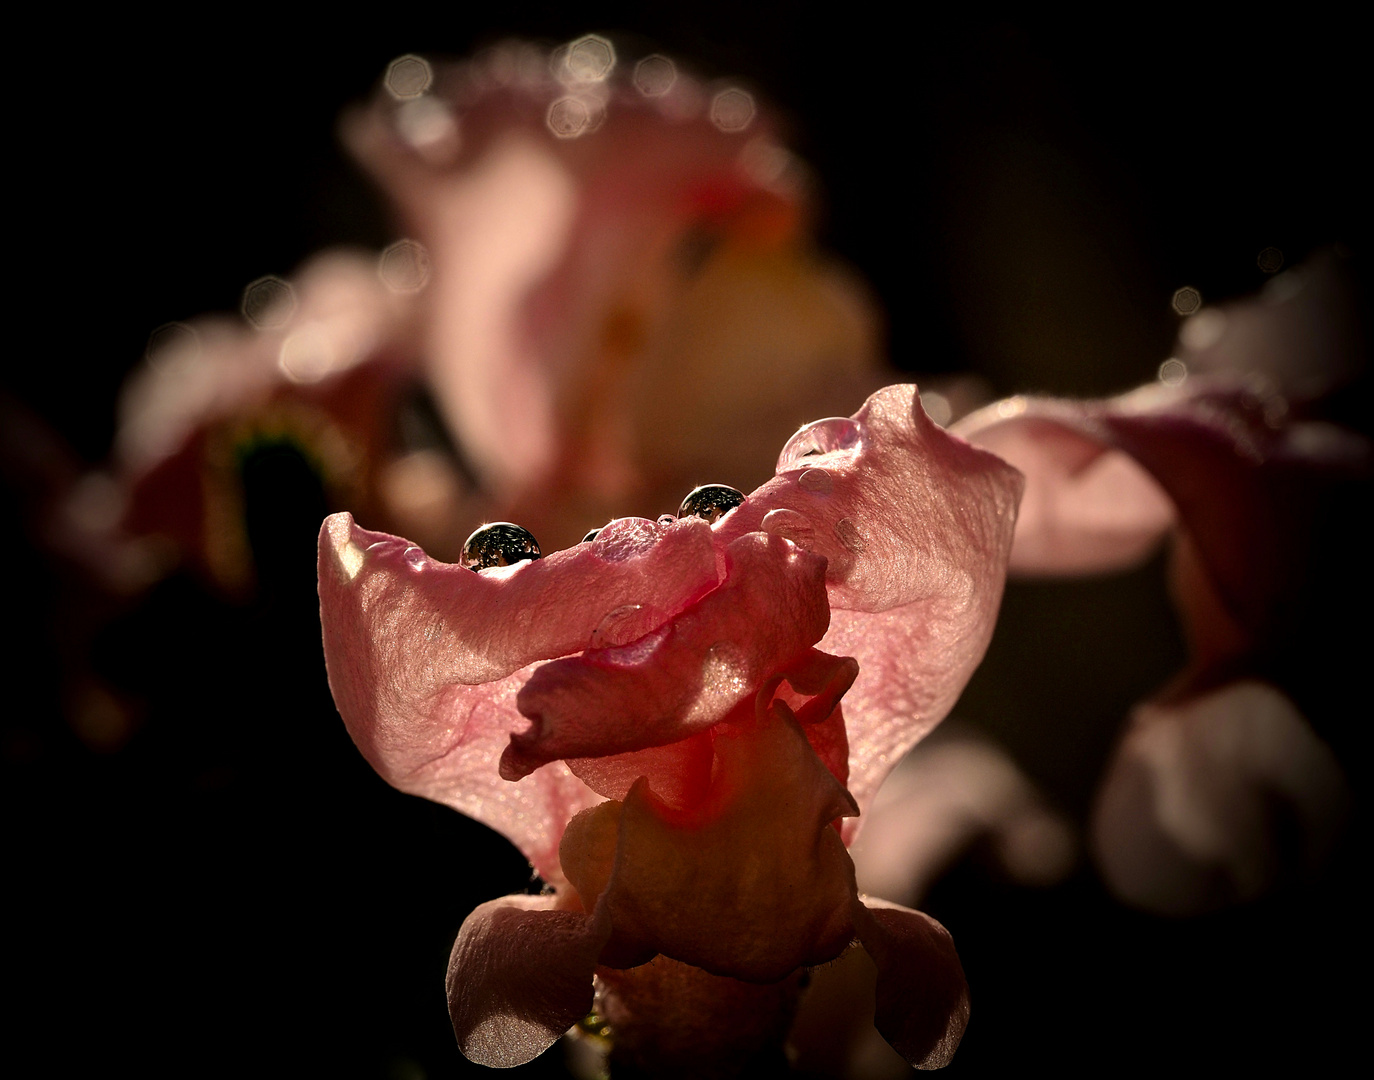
(752, 884)
(1087, 508)
(1251, 487)
(916, 526)
(1184, 821)
(519, 976)
(687, 676)
(425, 659)
(923, 1002)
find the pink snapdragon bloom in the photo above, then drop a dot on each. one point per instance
(655, 718)
(576, 297)
(1260, 492)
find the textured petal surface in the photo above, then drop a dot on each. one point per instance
(752, 884)
(425, 659)
(687, 677)
(519, 976)
(916, 526)
(923, 1003)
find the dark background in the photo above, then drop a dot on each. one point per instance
(230, 889)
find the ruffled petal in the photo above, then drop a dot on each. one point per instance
(923, 1002)
(1087, 508)
(685, 678)
(425, 659)
(519, 976)
(916, 527)
(752, 884)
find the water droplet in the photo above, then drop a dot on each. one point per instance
(626, 624)
(499, 544)
(589, 59)
(664, 520)
(269, 302)
(1187, 300)
(626, 538)
(1173, 371)
(407, 77)
(850, 536)
(404, 267)
(790, 525)
(816, 480)
(733, 110)
(1012, 406)
(655, 75)
(710, 501)
(414, 557)
(833, 435)
(569, 117)
(592, 535)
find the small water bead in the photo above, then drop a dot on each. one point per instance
(711, 502)
(850, 536)
(627, 623)
(816, 480)
(789, 525)
(499, 544)
(664, 520)
(414, 557)
(833, 435)
(591, 536)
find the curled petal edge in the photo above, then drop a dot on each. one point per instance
(922, 999)
(519, 976)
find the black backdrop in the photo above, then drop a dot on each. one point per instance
(232, 890)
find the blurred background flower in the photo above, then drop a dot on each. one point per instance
(1034, 204)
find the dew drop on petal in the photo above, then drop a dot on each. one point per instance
(833, 435)
(849, 535)
(499, 544)
(665, 520)
(790, 525)
(414, 557)
(817, 481)
(710, 501)
(626, 624)
(592, 535)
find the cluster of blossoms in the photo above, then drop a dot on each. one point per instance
(678, 722)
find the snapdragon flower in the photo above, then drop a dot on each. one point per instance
(1237, 456)
(678, 723)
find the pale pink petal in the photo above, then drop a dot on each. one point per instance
(753, 883)
(685, 677)
(519, 976)
(1185, 819)
(678, 773)
(922, 1001)
(1087, 508)
(425, 659)
(947, 795)
(916, 526)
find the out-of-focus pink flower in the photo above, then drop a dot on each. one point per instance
(609, 290)
(1234, 455)
(624, 295)
(655, 719)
